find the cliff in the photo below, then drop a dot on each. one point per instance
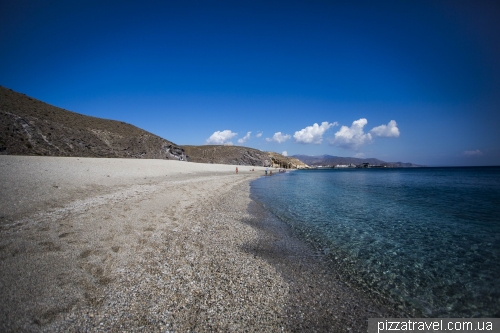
(280, 161)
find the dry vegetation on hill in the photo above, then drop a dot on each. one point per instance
(31, 127)
(240, 156)
(227, 155)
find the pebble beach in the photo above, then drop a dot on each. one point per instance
(129, 245)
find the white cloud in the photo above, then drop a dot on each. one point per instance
(221, 137)
(258, 135)
(352, 137)
(245, 138)
(476, 152)
(359, 155)
(284, 153)
(313, 134)
(389, 131)
(278, 137)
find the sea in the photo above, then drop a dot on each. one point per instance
(424, 240)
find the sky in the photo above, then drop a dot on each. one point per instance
(410, 81)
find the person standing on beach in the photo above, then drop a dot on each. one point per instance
(236, 170)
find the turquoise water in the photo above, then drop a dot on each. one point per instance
(426, 240)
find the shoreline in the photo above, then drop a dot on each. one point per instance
(320, 298)
(115, 244)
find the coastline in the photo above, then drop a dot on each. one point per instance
(320, 298)
(154, 245)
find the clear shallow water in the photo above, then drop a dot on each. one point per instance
(424, 239)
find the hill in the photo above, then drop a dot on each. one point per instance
(329, 160)
(32, 127)
(240, 156)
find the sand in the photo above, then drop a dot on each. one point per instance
(154, 245)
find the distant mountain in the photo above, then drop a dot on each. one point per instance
(329, 160)
(31, 127)
(239, 156)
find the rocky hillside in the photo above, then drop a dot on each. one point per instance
(31, 127)
(280, 161)
(240, 156)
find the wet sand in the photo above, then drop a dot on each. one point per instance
(151, 245)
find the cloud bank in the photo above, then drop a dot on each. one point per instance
(352, 137)
(221, 138)
(313, 134)
(245, 138)
(284, 153)
(259, 134)
(279, 138)
(388, 131)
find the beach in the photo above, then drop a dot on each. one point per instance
(114, 245)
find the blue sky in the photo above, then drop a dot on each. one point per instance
(412, 81)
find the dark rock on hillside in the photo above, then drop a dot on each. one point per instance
(32, 127)
(227, 155)
(239, 156)
(286, 162)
